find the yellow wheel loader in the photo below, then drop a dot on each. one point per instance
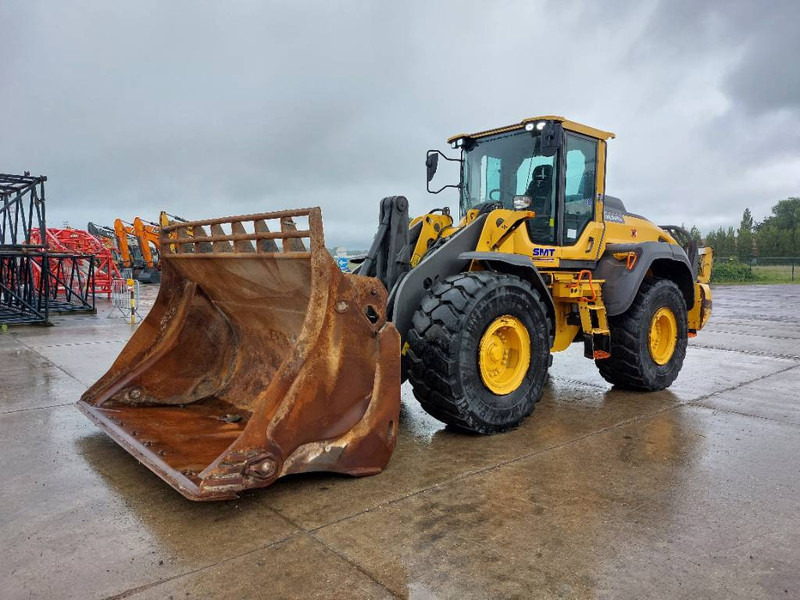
(259, 360)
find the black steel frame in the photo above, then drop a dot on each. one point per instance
(34, 281)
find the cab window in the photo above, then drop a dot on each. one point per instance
(490, 176)
(579, 189)
(497, 168)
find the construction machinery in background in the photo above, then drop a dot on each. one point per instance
(128, 245)
(143, 257)
(259, 360)
(148, 235)
(138, 244)
(108, 238)
(166, 219)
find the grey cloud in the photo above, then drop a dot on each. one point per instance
(260, 106)
(768, 79)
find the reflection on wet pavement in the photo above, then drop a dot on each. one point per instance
(691, 492)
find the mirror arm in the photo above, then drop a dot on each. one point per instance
(456, 186)
(439, 152)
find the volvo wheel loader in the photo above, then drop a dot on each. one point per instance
(260, 358)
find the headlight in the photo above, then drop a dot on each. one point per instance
(528, 126)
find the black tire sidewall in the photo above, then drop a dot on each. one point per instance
(510, 297)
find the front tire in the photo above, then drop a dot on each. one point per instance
(648, 341)
(478, 351)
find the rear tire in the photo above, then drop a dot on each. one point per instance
(444, 349)
(633, 364)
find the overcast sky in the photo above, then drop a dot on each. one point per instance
(212, 109)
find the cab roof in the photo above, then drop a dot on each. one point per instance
(566, 123)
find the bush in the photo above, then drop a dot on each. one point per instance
(731, 270)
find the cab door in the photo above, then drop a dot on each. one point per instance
(580, 206)
(577, 206)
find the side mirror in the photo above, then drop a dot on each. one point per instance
(431, 164)
(551, 137)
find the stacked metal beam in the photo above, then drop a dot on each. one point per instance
(35, 279)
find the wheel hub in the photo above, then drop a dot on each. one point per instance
(663, 336)
(504, 355)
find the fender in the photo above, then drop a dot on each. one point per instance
(522, 267)
(439, 262)
(667, 261)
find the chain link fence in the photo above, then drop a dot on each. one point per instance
(759, 269)
(777, 268)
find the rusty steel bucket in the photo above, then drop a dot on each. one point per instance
(255, 362)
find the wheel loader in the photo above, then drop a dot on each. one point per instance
(260, 358)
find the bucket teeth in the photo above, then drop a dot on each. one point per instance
(265, 245)
(241, 245)
(201, 246)
(291, 244)
(184, 248)
(220, 245)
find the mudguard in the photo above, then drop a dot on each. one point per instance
(440, 262)
(519, 265)
(622, 283)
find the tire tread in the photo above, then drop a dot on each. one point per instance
(431, 369)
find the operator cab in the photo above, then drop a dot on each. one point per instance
(547, 165)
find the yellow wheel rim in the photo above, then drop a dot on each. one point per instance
(663, 335)
(504, 355)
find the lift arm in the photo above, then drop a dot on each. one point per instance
(122, 232)
(147, 234)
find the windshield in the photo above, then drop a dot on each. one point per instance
(500, 167)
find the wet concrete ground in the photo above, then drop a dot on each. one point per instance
(689, 493)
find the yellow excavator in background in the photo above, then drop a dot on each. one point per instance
(140, 258)
(144, 257)
(130, 256)
(148, 234)
(166, 219)
(260, 358)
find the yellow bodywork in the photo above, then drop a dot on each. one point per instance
(434, 227)
(701, 311)
(567, 124)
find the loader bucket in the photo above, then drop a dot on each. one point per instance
(255, 361)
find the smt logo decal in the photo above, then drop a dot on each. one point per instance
(543, 252)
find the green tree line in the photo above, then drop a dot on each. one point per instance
(776, 235)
